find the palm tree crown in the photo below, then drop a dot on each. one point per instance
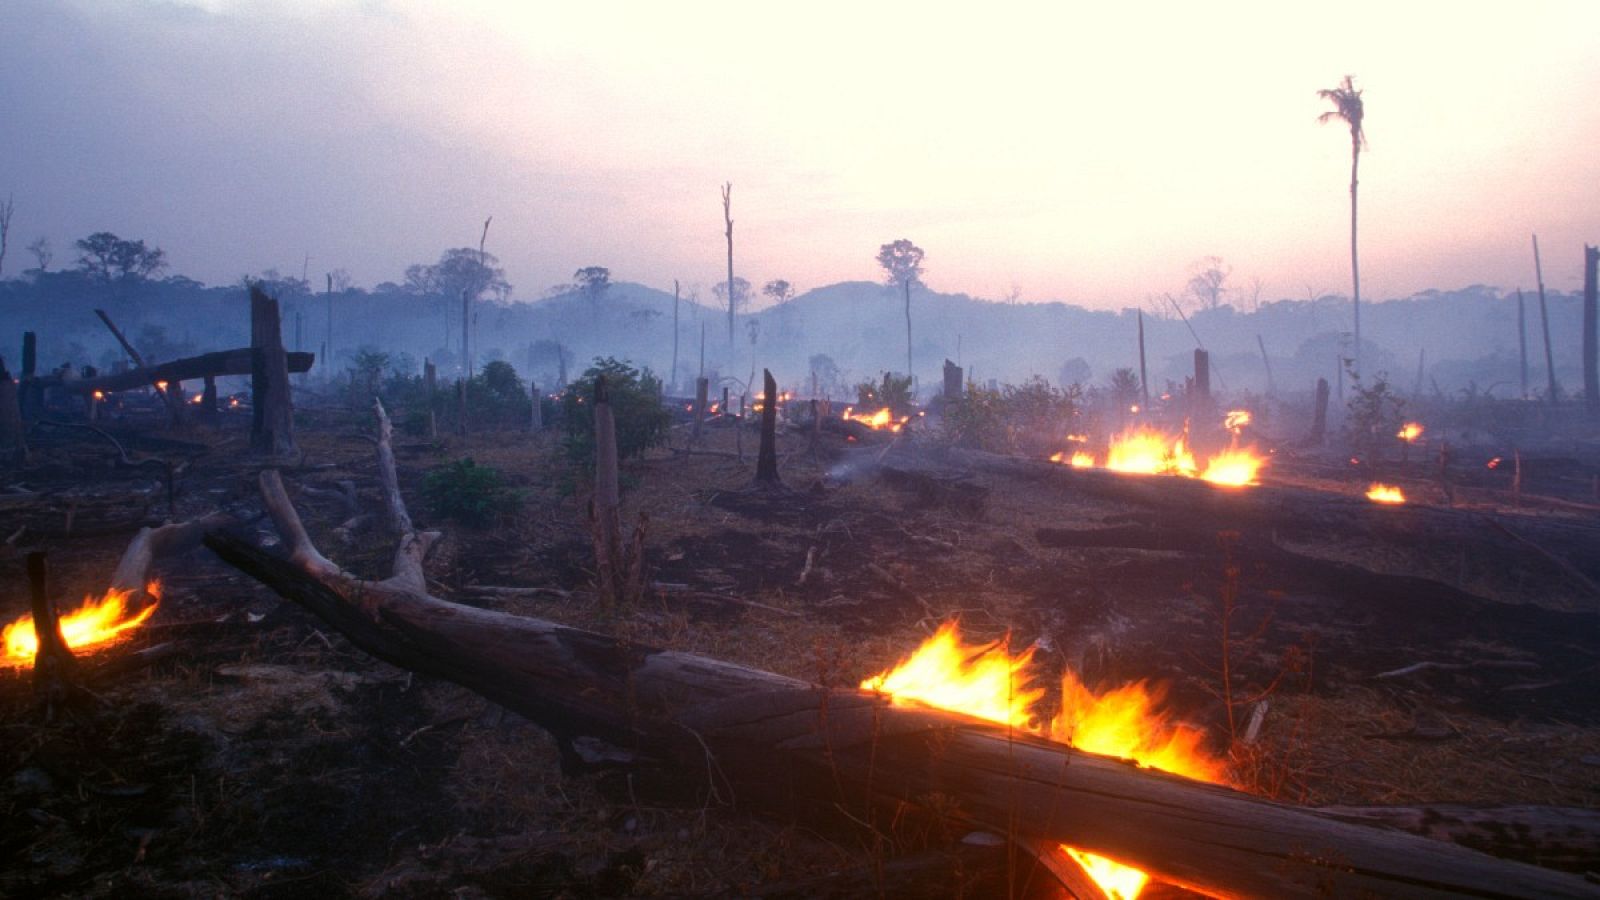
(1347, 108)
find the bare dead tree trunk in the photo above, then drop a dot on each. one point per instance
(116, 332)
(727, 216)
(1522, 340)
(272, 415)
(952, 383)
(13, 435)
(208, 400)
(430, 391)
(536, 419)
(1144, 379)
(767, 456)
(1266, 363)
(461, 407)
(702, 389)
(1544, 320)
(675, 333)
(1591, 339)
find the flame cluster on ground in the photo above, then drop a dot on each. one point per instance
(1385, 493)
(989, 682)
(1145, 451)
(94, 623)
(881, 420)
(1409, 432)
(1236, 419)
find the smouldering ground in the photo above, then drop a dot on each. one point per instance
(270, 758)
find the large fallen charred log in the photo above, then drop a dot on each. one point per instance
(222, 362)
(791, 741)
(1186, 502)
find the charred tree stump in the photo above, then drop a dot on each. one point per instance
(13, 434)
(619, 568)
(430, 388)
(54, 666)
(536, 418)
(30, 396)
(1144, 379)
(767, 456)
(208, 401)
(1319, 419)
(702, 389)
(792, 742)
(272, 415)
(1202, 379)
(952, 382)
(461, 407)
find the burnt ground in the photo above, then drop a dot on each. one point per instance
(265, 756)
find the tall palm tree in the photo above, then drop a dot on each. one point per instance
(1348, 108)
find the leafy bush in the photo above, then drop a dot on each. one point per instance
(642, 422)
(1032, 417)
(468, 492)
(892, 392)
(1375, 414)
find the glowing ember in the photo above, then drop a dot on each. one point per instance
(95, 622)
(161, 386)
(1385, 493)
(989, 682)
(1494, 463)
(197, 398)
(882, 420)
(1236, 419)
(1079, 459)
(99, 395)
(1233, 467)
(1409, 432)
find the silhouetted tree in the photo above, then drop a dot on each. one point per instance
(741, 294)
(1209, 281)
(902, 260)
(106, 258)
(727, 217)
(779, 290)
(593, 282)
(41, 251)
(1348, 108)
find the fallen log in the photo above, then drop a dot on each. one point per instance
(1572, 542)
(222, 362)
(755, 732)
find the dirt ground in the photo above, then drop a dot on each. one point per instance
(265, 756)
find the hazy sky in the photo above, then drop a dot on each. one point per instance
(1068, 152)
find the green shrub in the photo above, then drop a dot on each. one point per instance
(642, 422)
(468, 492)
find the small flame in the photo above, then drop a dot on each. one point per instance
(95, 622)
(1409, 432)
(989, 682)
(1119, 882)
(99, 395)
(1494, 463)
(161, 386)
(197, 398)
(233, 402)
(1233, 467)
(1236, 419)
(1385, 493)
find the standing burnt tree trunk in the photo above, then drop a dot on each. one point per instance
(1591, 341)
(727, 217)
(272, 412)
(1522, 340)
(12, 435)
(1144, 379)
(767, 456)
(674, 381)
(1544, 321)
(1319, 421)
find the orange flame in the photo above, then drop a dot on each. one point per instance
(1409, 432)
(94, 623)
(882, 420)
(1148, 452)
(989, 682)
(1236, 419)
(1385, 493)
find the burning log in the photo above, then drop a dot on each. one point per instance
(1198, 506)
(794, 742)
